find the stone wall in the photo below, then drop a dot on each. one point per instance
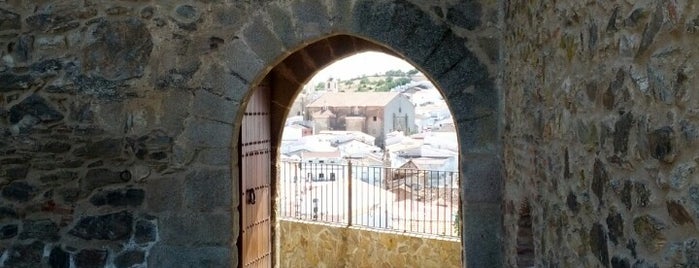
(601, 132)
(119, 120)
(108, 146)
(305, 244)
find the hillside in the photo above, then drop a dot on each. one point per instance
(377, 82)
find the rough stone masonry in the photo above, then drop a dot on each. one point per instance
(119, 122)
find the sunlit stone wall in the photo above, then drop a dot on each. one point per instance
(305, 244)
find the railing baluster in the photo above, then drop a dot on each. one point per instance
(349, 193)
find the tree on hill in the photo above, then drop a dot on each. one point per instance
(394, 73)
(320, 86)
(388, 83)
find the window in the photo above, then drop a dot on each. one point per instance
(374, 118)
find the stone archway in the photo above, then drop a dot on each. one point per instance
(405, 31)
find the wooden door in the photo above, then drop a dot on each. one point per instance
(255, 166)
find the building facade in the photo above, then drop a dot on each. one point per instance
(374, 113)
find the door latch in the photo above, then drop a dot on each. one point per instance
(250, 193)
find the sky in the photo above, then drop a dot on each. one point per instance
(368, 63)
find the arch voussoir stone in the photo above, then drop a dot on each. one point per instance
(312, 19)
(416, 36)
(241, 61)
(263, 40)
(283, 25)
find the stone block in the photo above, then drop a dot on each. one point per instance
(206, 133)
(37, 107)
(118, 198)
(598, 244)
(215, 156)
(678, 213)
(482, 235)
(242, 61)
(234, 88)
(480, 134)
(451, 51)
(45, 230)
(262, 40)
(283, 25)
(232, 16)
(312, 18)
(210, 106)
(370, 19)
(145, 232)
(572, 202)
(118, 49)
(16, 172)
(91, 258)
(214, 78)
(651, 29)
(59, 258)
(340, 13)
(129, 258)
(113, 227)
(490, 45)
(662, 144)
(164, 194)
(48, 67)
(650, 231)
(184, 257)
(60, 18)
(622, 129)
(615, 225)
(466, 14)
(118, 11)
(19, 191)
(8, 231)
(186, 13)
(100, 177)
(180, 76)
(9, 20)
(7, 213)
(24, 49)
(207, 190)
(469, 77)
(681, 175)
(107, 148)
(196, 229)
(483, 176)
(24, 255)
(97, 86)
(600, 180)
(55, 147)
(177, 104)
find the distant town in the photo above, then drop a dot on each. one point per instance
(397, 115)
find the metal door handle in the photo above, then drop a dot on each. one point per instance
(251, 196)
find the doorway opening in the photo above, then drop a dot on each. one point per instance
(387, 138)
(403, 169)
